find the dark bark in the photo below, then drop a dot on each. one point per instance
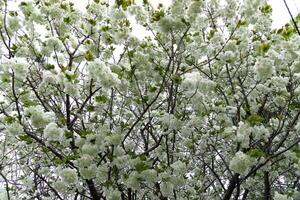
(232, 184)
(267, 186)
(94, 193)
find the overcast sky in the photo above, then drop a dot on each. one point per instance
(280, 13)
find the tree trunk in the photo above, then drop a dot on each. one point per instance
(231, 187)
(267, 189)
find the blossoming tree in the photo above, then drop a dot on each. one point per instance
(205, 107)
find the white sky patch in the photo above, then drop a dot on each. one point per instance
(280, 14)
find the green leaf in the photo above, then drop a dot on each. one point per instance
(256, 153)
(124, 3)
(101, 99)
(63, 6)
(266, 9)
(287, 32)
(92, 22)
(152, 88)
(104, 28)
(255, 119)
(176, 78)
(68, 134)
(157, 15)
(71, 77)
(23, 3)
(211, 33)
(84, 133)
(90, 108)
(241, 23)
(142, 166)
(89, 56)
(13, 13)
(67, 20)
(263, 48)
(190, 60)
(145, 99)
(49, 66)
(59, 161)
(14, 48)
(9, 119)
(26, 138)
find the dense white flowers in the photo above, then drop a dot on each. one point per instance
(88, 102)
(149, 175)
(241, 162)
(264, 68)
(68, 175)
(13, 24)
(102, 73)
(14, 128)
(113, 194)
(279, 196)
(38, 117)
(88, 172)
(243, 134)
(179, 167)
(166, 188)
(53, 133)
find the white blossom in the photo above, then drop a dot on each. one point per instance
(279, 196)
(240, 162)
(264, 68)
(68, 175)
(53, 133)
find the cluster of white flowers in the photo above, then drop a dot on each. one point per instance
(279, 196)
(169, 23)
(68, 175)
(17, 67)
(279, 101)
(179, 167)
(279, 84)
(113, 139)
(13, 24)
(14, 128)
(243, 134)
(170, 121)
(241, 162)
(49, 77)
(60, 186)
(102, 173)
(194, 9)
(113, 194)
(89, 149)
(88, 172)
(102, 74)
(166, 188)
(260, 132)
(149, 175)
(264, 68)
(133, 181)
(38, 117)
(71, 89)
(85, 160)
(53, 133)
(296, 66)
(207, 86)
(228, 56)
(191, 82)
(138, 13)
